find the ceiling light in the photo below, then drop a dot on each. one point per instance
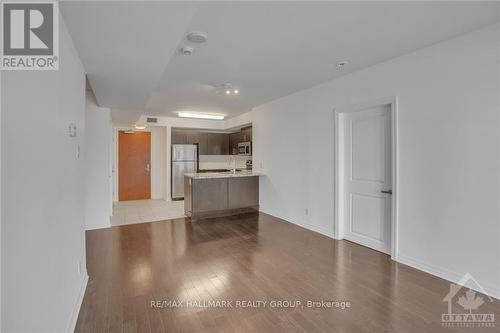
(139, 127)
(227, 89)
(197, 37)
(342, 64)
(197, 115)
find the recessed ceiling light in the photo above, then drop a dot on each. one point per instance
(342, 64)
(227, 89)
(197, 115)
(197, 37)
(139, 127)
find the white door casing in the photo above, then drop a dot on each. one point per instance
(367, 165)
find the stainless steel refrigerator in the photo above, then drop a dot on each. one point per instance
(184, 160)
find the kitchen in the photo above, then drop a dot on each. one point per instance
(212, 171)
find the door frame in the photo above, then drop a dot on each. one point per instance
(339, 194)
(115, 169)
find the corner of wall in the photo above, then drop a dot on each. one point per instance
(78, 304)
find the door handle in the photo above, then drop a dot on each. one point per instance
(388, 191)
(148, 167)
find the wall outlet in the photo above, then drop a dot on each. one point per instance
(306, 211)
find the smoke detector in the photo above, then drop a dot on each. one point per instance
(197, 37)
(187, 50)
(342, 64)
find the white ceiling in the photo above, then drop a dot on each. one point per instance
(266, 49)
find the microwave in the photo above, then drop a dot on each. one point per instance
(245, 148)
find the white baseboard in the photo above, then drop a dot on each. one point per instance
(78, 304)
(308, 226)
(491, 290)
(99, 227)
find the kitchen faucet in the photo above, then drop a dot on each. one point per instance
(232, 162)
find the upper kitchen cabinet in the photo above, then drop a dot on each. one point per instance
(203, 143)
(212, 143)
(218, 144)
(200, 138)
(234, 139)
(246, 134)
(179, 136)
(187, 136)
(192, 136)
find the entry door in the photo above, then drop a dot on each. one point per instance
(367, 177)
(134, 165)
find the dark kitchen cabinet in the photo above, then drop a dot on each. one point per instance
(203, 143)
(192, 136)
(218, 144)
(212, 143)
(247, 134)
(234, 139)
(179, 136)
(182, 136)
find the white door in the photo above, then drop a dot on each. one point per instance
(367, 177)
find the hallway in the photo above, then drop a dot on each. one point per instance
(139, 211)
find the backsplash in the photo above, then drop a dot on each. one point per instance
(222, 161)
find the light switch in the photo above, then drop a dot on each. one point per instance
(72, 130)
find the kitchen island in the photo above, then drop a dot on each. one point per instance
(216, 194)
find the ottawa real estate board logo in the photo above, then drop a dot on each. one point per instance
(465, 305)
(30, 35)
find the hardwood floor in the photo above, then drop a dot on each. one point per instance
(252, 257)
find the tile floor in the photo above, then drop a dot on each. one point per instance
(138, 211)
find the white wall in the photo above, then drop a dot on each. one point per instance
(449, 154)
(98, 197)
(43, 195)
(1, 104)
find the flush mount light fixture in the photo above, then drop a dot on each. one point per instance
(342, 64)
(227, 89)
(139, 127)
(197, 37)
(198, 115)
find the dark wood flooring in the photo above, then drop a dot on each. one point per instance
(252, 257)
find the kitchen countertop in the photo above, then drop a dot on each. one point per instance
(228, 174)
